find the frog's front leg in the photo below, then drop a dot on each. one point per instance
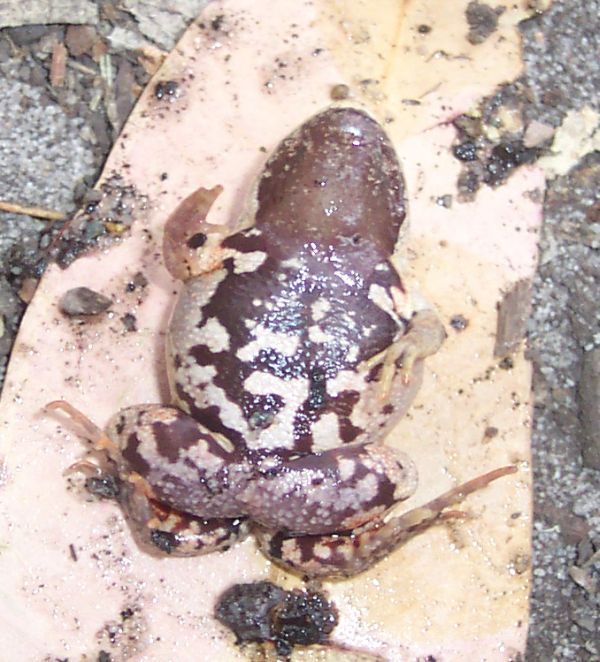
(191, 245)
(423, 337)
(345, 554)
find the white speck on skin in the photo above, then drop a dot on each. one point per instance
(317, 335)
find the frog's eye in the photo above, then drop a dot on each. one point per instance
(356, 239)
(197, 240)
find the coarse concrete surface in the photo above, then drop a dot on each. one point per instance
(51, 147)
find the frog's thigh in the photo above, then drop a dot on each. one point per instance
(336, 490)
(176, 461)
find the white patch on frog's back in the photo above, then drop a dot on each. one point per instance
(320, 308)
(293, 393)
(197, 382)
(381, 297)
(194, 373)
(267, 339)
(352, 354)
(347, 380)
(317, 335)
(346, 467)
(245, 262)
(191, 377)
(230, 413)
(366, 413)
(214, 335)
(326, 433)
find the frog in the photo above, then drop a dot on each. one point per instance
(293, 349)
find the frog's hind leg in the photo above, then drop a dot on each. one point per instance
(119, 470)
(160, 529)
(348, 553)
(338, 489)
(99, 440)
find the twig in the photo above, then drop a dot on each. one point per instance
(58, 65)
(73, 64)
(37, 212)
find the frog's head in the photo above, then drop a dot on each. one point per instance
(334, 181)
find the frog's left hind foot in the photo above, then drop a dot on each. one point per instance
(349, 553)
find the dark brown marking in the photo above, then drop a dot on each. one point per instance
(130, 453)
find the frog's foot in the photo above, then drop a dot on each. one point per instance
(191, 245)
(159, 528)
(348, 553)
(99, 440)
(423, 338)
(338, 489)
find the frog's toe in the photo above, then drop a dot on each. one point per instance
(95, 434)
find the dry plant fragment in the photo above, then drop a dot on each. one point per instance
(36, 212)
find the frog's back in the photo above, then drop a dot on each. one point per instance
(276, 357)
(271, 349)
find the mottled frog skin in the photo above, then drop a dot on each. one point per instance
(293, 349)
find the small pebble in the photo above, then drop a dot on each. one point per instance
(340, 92)
(83, 301)
(459, 322)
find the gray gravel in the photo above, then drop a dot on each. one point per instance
(43, 157)
(561, 53)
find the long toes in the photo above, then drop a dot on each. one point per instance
(78, 417)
